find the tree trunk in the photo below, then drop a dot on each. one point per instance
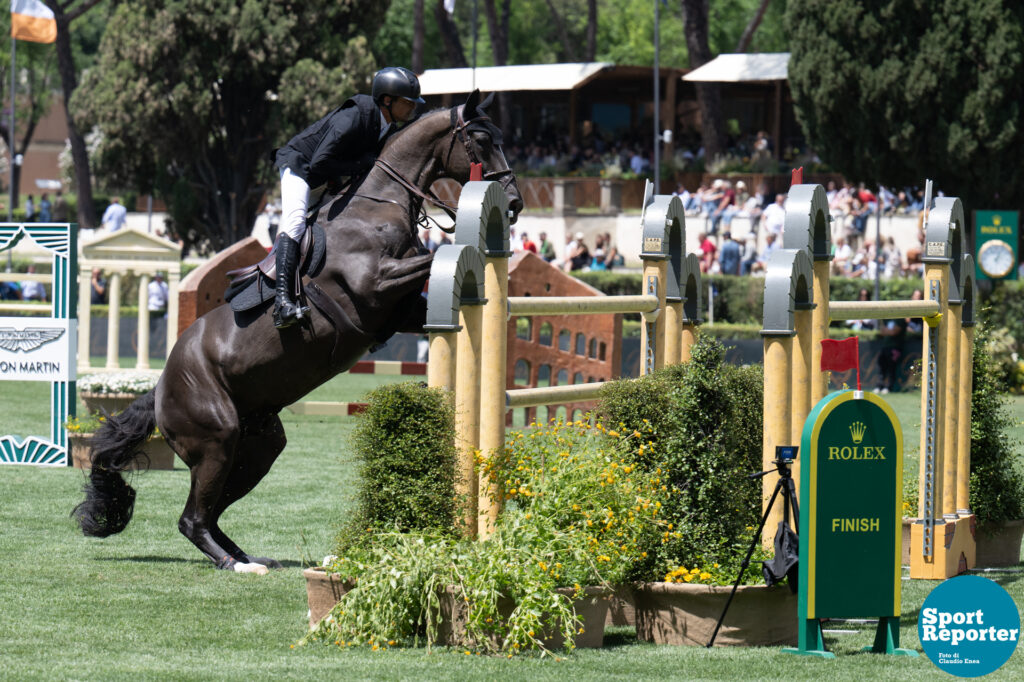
(591, 30)
(450, 36)
(748, 32)
(695, 28)
(79, 153)
(563, 35)
(497, 27)
(418, 31)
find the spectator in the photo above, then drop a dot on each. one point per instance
(97, 288)
(612, 258)
(707, 252)
(749, 253)
(894, 334)
(864, 295)
(30, 209)
(60, 208)
(730, 258)
(725, 210)
(115, 215)
(597, 261)
(546, 249)
(44, 208)
(158, 293)
(892, 259)
(578, 257)
(529, 244)
(428, 242)
(761, 264)
(915, 325)
(32, 290)
(711, 199)
(841, 257)
(775, 216)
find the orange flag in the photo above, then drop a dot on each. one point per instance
(33, 21)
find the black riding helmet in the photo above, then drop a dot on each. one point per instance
(396, 81)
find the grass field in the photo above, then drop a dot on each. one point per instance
(144, 605)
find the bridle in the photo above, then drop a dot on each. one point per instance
(459, 132)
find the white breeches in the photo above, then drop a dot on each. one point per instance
(294, 203)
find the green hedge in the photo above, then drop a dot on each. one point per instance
(405, 445)
(703, 425)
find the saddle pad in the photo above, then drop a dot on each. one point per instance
(253, 287)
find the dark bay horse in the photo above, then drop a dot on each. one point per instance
(230, 374)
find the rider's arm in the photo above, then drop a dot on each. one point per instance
(340, 149)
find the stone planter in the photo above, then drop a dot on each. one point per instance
(112, 403)
(622, 609)
(592, 608)
(159, 453)
(684, 614)
(999, 545)
(323, 591)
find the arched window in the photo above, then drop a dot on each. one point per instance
(524, 328)
(542, 415)
(577, 415)
(578, 378)
(546, 332)
(544, 375)
(560, 413)
(600, 351)
(565, 340)
(581, 345)
(563, 377)
(593, 347)
(521, 372)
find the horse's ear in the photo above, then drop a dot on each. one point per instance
(471, 105)
(486, 103)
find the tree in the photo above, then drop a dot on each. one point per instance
(894, 92)
(65, 13)
(191, 96)
(709, 99)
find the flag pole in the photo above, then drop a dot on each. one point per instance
(10, 143)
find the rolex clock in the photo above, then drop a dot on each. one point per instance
(996, 259)
(995, 242)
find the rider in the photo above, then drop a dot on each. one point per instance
(345, 142)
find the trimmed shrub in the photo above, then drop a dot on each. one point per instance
(704, 421)
(405, 445)
(997, 488)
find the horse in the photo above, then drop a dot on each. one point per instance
(231, 373)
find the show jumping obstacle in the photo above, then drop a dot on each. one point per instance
(468, 308)
(797, 312)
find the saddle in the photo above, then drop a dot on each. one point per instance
(253, 285)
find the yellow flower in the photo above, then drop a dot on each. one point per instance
(705, 575)
(688, 577)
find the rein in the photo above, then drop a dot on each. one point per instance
(458, 132)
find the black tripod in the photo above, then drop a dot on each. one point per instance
(784, 456)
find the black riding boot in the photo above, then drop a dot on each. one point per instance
(286, 311)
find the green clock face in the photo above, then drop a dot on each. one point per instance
(996, 258)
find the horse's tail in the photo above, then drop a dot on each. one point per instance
(109, 500)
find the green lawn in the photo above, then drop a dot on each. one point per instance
(144, 605)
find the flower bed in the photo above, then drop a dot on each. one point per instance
(111, 393)
(158, 454)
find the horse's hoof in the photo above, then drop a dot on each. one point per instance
(258, 569)
(265, 561)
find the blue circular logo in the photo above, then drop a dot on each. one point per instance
(969, 626)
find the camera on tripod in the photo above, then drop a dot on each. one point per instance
(785, 454)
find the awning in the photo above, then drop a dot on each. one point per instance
(510, 78)
(737, 68)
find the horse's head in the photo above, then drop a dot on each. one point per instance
(481, 142)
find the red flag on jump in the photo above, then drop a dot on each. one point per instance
(476, 171)
(839, 356)
(798, 176)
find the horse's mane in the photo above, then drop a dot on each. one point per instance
(410, 125)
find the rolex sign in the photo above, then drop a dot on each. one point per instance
(37, 349)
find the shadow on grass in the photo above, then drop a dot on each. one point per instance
(285, 563)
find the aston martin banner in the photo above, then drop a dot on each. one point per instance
(37, 349)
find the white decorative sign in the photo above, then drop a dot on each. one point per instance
(37, 349)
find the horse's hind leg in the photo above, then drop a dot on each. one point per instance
(262, 440)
